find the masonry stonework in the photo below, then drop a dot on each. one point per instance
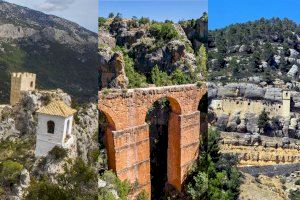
(127, 137)
(21, 82)
(232, 105)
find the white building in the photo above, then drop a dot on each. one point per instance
(54, 127)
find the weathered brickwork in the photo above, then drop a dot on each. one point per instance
(128, 142)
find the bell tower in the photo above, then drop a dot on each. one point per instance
(286, 103)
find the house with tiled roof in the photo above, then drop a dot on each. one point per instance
(55, 122)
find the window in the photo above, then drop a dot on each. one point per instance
(50, 127)
(68, 126)
(31, 84)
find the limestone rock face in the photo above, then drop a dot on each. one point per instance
(254, 92)
(251, 122)
(222, 122)
(147, 49)
(121, 81)
(293, 72)
(85, 131)
(293, 53)
(22, 185)
(244, 48)
(105, 39)
(15, 32)
(176, 49)
(273, 94)
(233, 122)
(129, 37)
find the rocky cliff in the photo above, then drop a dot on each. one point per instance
(145, 44)
(60, 52)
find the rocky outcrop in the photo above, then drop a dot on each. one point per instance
(196, 30)
(141, 43)
(293, 72)
(121, 80)
(86, 132)
(250, 91)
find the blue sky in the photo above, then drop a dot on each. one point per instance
(226, 12)
(159, 10)
(83, 12)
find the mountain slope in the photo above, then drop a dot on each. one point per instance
(266, 48)
(60, 52)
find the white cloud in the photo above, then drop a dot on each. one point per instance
(55, 5)
(83, 12)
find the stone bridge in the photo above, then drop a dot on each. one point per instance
(127, 136)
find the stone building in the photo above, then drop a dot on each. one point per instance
(54, 127)
(21, 82)
(242, 105)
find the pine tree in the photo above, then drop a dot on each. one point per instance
(263, 120)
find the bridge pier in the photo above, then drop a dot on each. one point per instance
(129, 150)
(128, 138)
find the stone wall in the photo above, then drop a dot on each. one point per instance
(230, 106)
(128, 134)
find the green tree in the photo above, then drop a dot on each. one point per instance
(45, 190)
(144, 20)
(202, 58)
(164, 31)
(178, 77)
(268, 53)
(10, 172)
(136, 79)
(234, 68)
(101, 21)
(160, 78)
(263, 120)
(111, 15)
(215, 176)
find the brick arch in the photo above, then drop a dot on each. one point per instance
(174, 105)
(173, 151)
(108, 142)
(131, 145)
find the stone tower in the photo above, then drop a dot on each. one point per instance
(286, 103)
(21, 82)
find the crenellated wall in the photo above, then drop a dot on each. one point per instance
(21, 82)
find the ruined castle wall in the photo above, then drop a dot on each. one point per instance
(231, 106)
